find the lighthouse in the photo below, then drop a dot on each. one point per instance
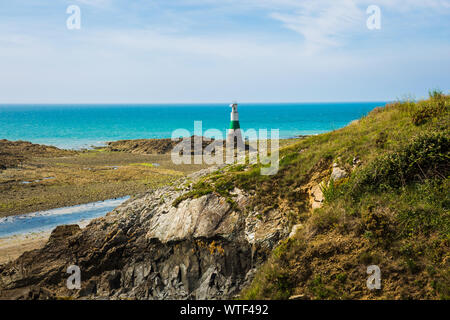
(234, 135)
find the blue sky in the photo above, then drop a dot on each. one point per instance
(150, 51)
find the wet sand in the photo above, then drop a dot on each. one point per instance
(12, 247)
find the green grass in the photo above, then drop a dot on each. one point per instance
(200, 189)
(392, 210)
(144, 164)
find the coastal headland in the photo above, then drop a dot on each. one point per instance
(370, 196)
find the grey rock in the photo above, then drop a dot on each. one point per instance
(149, 249)
(338, 173)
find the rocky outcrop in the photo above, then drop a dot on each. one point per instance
(204, 248)
(338, 173)
(322, 178)
(12, 153)
(160, 146)
(316, 196)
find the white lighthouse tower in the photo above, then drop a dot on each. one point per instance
(234, 135)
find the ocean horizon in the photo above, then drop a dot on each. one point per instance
(78, 126)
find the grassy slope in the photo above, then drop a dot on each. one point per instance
(391, 211)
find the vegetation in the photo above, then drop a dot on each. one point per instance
(69, 178)
(393, 209)
(220, 186)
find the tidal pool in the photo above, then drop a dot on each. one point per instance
(46, 220)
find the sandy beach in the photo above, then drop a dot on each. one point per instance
(12, 247)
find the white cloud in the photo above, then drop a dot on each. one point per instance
(229, 47)
(323, 23)
(130, 57)
(327, 23)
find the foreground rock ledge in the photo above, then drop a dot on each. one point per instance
(148, 249)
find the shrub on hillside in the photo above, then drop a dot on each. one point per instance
(381, 140)
(436, 106)
(425, 157)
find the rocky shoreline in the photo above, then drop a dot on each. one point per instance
(204, 248)
(13, 153)
(149, 248)
(340, 203)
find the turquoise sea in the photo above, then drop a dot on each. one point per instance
(83, 126)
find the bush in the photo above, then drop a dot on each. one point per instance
(436, 106)
(271, 282)
(425, 113)
(422, 209)
(427, 156)
(381, 140)
(329, 191)
(436, 94)
(424, 220)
